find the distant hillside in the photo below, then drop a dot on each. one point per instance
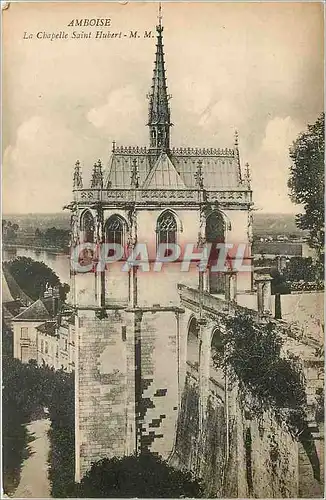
(276, 224)
(264, 224)
(30, 222)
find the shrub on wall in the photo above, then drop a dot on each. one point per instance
(267, 381)
(250, 353)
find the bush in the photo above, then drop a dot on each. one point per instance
(146, 476)
(251, 353)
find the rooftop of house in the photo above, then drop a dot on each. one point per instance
(41, 309)
(48, 328)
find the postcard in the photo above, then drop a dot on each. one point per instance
(163, 250)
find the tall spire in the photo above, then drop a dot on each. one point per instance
(159, 120)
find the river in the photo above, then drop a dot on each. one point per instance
(58, 262)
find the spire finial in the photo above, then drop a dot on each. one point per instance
(134, 179)
(78, 181)
(236, 151)
(236, 138)
(97, 177)
(248, 176)
(199, 175)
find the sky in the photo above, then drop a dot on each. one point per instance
(254, 67)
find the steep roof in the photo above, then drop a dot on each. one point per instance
(120, 169)
(219, 172)
(35, 312)
(220, 168)
(164, 175)
(49, 328)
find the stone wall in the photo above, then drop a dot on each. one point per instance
(202, 450)
(234, 456)
(159, 381)
(104, 397)
(269, 455)
(126, 384)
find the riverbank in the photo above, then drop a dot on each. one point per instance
(36, 248)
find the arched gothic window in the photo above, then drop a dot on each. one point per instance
(215, 228)
(166, 228)
(87, 227)
(114, 230)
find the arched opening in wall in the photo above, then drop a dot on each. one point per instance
(215, 234)
(115, 229)
(87, 227)
(193, 345)
(216, 370)
(115, 233)
(166, 230)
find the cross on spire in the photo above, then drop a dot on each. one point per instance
(160, 17)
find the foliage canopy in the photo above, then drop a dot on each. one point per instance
(251, 354)
(307, 180)
(33, 276)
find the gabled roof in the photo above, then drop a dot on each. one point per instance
(220, 168)
(219, 172)
(49, 328)
(120, 168)
(164, 175)
(35, 312)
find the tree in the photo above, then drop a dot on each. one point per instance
(32, 277)
(9, 231)
(26, 389)
(145, 476)
(307, 182)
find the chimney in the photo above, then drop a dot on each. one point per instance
(54, 294)
(264, 295)
(231, 286)
(55, 300)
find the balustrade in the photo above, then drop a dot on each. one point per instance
(143, 150)
(160, 195)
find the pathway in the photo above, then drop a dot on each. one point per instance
(34, 482)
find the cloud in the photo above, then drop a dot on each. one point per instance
(122, 115)
(270, 166)
(38, 167)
